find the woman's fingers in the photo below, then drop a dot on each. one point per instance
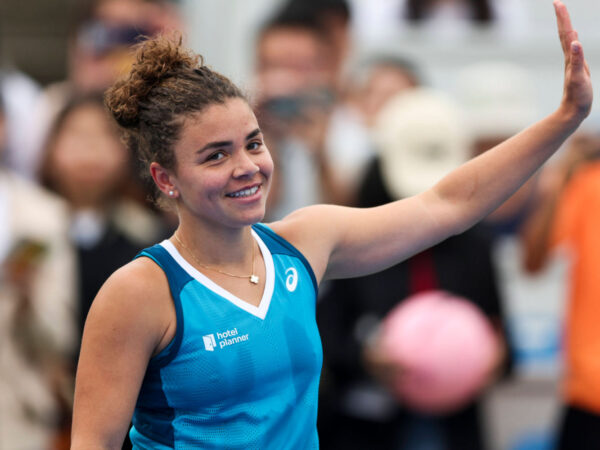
(563, 22)
(577, 60)
(566, 33)
(578, 90)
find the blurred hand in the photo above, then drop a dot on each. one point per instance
(304, 116)
(379, 365)
(312, 128)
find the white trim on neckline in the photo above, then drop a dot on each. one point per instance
(259, 311)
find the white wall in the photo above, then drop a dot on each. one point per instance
(223, 32)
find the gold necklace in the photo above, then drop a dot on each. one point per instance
(254, 279)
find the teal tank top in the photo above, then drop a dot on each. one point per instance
(235, 376)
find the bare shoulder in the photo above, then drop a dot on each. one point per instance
(314, 231)
(135, 282)
(305, 224)
(134, 300)
(130, 319)
(320, 222)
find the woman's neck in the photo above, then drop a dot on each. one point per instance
(217, 247)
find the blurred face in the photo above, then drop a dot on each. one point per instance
(87, 162)
(223, 167)
(289, 61)
(101, 51)
(91, 72)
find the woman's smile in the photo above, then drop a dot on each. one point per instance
(246, 193)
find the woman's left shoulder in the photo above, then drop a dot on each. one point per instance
(304, 223)
(312, 231)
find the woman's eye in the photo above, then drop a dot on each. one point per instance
(254, 145)
(216, 156)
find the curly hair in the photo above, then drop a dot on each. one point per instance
(167, 82)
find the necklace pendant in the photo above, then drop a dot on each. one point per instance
(254, 279)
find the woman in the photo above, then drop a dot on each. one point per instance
(211, 335)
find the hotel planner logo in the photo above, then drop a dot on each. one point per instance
(223, 339)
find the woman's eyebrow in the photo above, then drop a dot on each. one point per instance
(253, 134)
(219, 144)
(216, 144)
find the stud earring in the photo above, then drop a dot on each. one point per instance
(171, 193)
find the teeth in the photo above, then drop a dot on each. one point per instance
(244, 193)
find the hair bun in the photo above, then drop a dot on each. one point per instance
(155, 61)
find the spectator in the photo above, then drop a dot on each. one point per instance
(333, 18)
(295, 93)
(99, 51)
(566, 217)
(86, 163)
(37, 314)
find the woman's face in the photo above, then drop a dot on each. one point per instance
(223, 167)
(87, 160)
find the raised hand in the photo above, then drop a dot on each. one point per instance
(578, 94)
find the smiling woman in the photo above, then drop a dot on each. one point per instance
(158, 342)
(220, 156)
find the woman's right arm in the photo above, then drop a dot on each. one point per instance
(131, 319)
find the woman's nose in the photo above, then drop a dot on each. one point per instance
(244, 165)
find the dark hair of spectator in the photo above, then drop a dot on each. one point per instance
(320, 10)
(296, 15)
(481, 10)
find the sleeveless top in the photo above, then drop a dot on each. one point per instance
(235, 376)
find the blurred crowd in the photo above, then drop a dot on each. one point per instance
(341, 129)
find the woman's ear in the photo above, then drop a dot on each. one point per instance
(164, 180)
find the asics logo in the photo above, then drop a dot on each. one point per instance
(291, 281)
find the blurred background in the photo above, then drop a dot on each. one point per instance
(34, 37)
(329, 81)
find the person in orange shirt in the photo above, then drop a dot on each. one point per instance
(569, 217)
(576, 224)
